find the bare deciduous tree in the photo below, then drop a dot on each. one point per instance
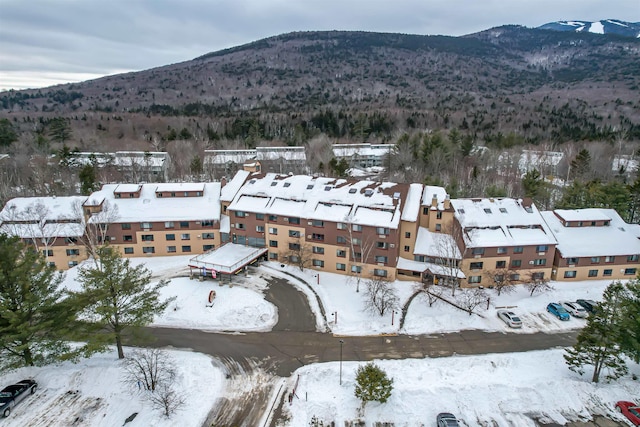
(502, 280)
(95, 234)
(450, 255)
(431, 291)
(380, 296)
(166, 399)
(535, 284)
(300, 254)
(360, 248)
(469, 299)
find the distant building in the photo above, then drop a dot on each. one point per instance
(625, 165)
(134, 166)
(219, 163)
(362, 155)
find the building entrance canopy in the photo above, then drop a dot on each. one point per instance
(227, 259)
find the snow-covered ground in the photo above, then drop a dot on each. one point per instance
(508, 389)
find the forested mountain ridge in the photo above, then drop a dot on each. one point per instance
(535, 85)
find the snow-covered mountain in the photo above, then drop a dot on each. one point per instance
(605, 26)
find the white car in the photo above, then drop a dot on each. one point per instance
(510, 318)
(575, 309)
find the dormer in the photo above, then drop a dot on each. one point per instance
(127, 191)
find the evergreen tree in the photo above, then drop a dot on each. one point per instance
(34, 317)
(581, 165)
(7, 133)
(372, 384)
(598, 342)
(60, 130)
(630, 336)
(117, 297)
(88, 180)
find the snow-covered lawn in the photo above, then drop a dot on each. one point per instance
(91, 393)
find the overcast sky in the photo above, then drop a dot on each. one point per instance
(46, 42)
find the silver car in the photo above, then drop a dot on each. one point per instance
(510, 318)
(575, 309)
(445, 419)
(12, 395)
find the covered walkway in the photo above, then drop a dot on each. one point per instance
(228, 259)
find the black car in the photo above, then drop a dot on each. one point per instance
(589, 305)
(12, 395)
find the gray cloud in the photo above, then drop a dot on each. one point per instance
(73, 39)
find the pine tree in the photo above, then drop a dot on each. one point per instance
(34, 317)
(372, 384)
(630, 318)
(117, 297)
(598, 343)
(581, 165)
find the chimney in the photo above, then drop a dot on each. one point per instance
(447, 203)
(434, 201)
(223, 182)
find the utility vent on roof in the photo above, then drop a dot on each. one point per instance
(487, 210)
(253, 181)
(273, 184)
(327, 188)
(287, 184)
(396, 195)
(368, 192)
(353, 190)
(309, 187)
(461, 211)
(503, 210)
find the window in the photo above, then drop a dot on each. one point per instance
(538, 275)
(607, 272)
(407, 235)
(341, 226)
(207, 223)
(318, 263)
(240, 226)
(73, 252)
(170, 237)
(184, 224)
(503, 210)
(610, 259)
(47, 252)
(273, 243)
(571, 274)
(148, 250)
(425, 211)
(498, 278)
(357, 255)
(340, 253)
(185, 236)
(382, 245)
(70, 240)
(208, 236)
(206, 248)
(169, 224)
(294, 246)
(356, 241)
(317, 223)
(540, 261)
(518, 249)
(381, 259)
(630, 271)
(475, 279)
(293, 220)
(341, 267)
(273, 255)
(439, 215)
(318, 250)
(502, 250)
(476, 265)
(260, 228)
(595, 260)
(273, 218)
(514, 277)
(478, 251)
(501, 264)
(382, 231)
(632, 258)
(186, 248)
(171, 249)
(126, 226)
(356, 227)
(438, 227)
(542, 248)
(487, 210)
(239, 214)
(147, 237)
(128, 251)
(516, 263)
(380, 272)
(356, 269)
(294, 233)
(273, 230)
(572, 261)
(260, 216)
(407, 248)
(341, 239)
(72, 263)
(316, 236)
(593, 273)
(146, 225)
(127, 238)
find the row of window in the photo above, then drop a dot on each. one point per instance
(314, 223)
(318, 263)
(607, 272)
(505, 250)
(170, 249)
(183, 236)
(607, 259)
(514, 277)
(167, 224)
(515, 263)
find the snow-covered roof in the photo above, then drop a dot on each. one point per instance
(530, 159)
(221, 157)
(180, 187)
(430, 192)
(286, 153)
(582, 214)
(436, 244)
(127, 188)
(359, 202)
(368, 150)
(616, 239)
(227, 258)
(140, 158)
(412, 203)
(421, 267)
(629, 163)
(37, 217)
(229, 191)
(501, 222)
(150, 208)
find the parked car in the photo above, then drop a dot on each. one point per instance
(11, 395)
(445, 419)
(510, 318)
(629, 410)
(575, 309)
(558, 311)
(589, 305)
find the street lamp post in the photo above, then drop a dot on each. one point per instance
(341, 343)
(393, 312)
